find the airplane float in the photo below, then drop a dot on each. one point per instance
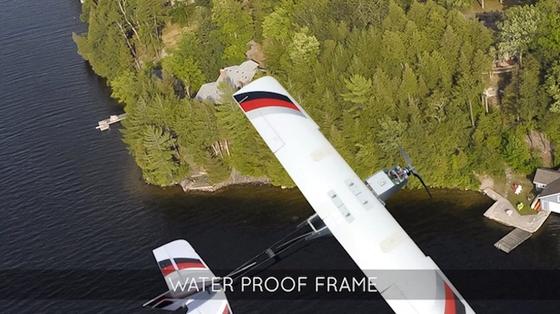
(351, 210)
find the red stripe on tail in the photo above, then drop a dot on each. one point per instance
(185, 265)
(450, 302)
(226, 309)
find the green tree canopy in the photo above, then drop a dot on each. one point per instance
(518, 30)
(234, 28)
(158, 159)
(374, 75)
(553, 87)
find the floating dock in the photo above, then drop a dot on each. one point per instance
(512, 240)
(105, 124)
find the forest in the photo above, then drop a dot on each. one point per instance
(375, 75)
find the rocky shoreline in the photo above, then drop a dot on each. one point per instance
(200, 183)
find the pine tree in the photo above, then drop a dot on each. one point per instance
(359, 89)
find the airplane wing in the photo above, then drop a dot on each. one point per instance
(187, 276)
(408, 280)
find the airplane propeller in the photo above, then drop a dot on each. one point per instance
(413, 171)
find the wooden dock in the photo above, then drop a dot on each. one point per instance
(512, 240)
(105, 124)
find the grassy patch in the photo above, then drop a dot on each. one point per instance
(504, 186)
(526, 196)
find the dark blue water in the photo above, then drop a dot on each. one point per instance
(72, 200)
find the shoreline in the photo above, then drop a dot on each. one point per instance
(192, 185)
(200, 183)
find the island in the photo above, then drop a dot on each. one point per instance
(472, 93)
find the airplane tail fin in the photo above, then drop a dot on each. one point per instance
(189, 281)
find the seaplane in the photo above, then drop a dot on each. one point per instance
(346, 207)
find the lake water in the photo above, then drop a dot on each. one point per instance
(74, 205)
